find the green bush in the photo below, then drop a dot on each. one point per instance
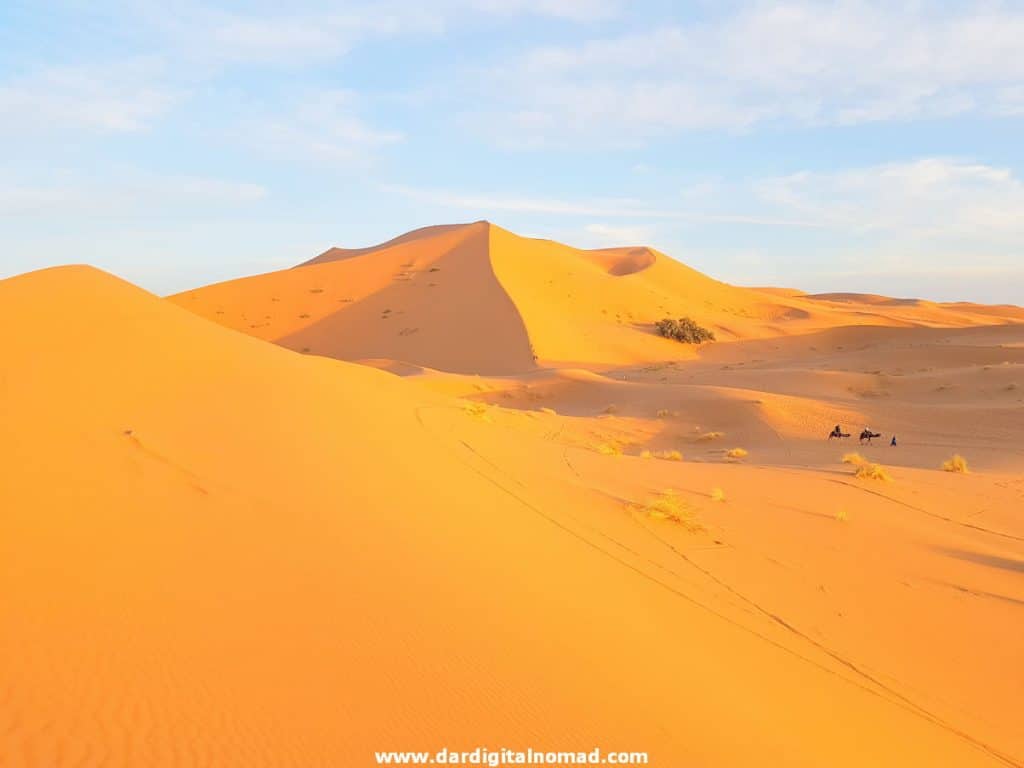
(684, 330)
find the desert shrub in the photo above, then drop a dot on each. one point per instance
(609, 409)
(669, 507)
(707, 437)
(668, 455)
(664, 413)
(549, 411)
(717, 494)
(842, 516)
(866, 470)
(609, 449)
(684, 330)
(955, 463)
(871, 471)
(736, 453)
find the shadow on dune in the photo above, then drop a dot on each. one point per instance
(992, 561)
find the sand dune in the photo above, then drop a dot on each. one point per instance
(215, 551)
(476, 298)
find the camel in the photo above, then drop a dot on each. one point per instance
(838, 433)
(868, 435)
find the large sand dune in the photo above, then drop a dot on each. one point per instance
(476, 298)
(216, 551)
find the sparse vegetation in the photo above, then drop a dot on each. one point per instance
(956, 463)
(737, 453)
(707, 437)
(684, 330)
(866, 470)
(842, 516)
(669, 507)
(717, 494)
(667, 455)
(664, 413)
(549, 411)
(609, 449)
(609, 409)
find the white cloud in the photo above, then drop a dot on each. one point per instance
(607, 234)
(803, 63)
(685, 210)
(309, 30)
(933, 198)
(323, 125)
(123, 194)
(116, 99)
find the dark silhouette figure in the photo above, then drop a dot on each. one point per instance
(893, 441)
(837, 432)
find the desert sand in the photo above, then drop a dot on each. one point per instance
(452, 491)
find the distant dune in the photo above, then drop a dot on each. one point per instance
(476, 298)
(217, 552)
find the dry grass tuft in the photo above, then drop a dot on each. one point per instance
(956, 463)
(873, 472)
(646, 454)
(611, 409)
(669, 507)
(842, 516)
(549, 411)
(664, 413)
(866, 470)
(609, 449)
(717, 494)
(668, 455)
(707, 437)
(737, 453)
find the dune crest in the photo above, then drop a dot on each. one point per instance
(476, 298)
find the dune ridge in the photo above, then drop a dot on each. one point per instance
(466, 290)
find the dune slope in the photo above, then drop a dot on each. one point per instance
(476, 298)
(214, 551)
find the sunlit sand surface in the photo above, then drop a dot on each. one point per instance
(454, 491)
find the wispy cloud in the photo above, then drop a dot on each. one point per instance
(796, 63)
(323, 126)
(305, 31)
(122, 98)
(933, 198)
(619, 208)
(123, 195)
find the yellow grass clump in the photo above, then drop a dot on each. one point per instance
(664, 413)
(707, 437)
(866, 470)
(549, 411)
(736, 453)
(669, 507)
(717, 494)
(669, 455)
(956, 463)
(842, 516)
(609, 449)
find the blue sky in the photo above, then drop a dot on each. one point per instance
(828, 146)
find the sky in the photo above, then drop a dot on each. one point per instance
(828, 146)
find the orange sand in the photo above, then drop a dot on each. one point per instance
(215, 551)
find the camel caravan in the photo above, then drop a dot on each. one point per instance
(866, 435)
